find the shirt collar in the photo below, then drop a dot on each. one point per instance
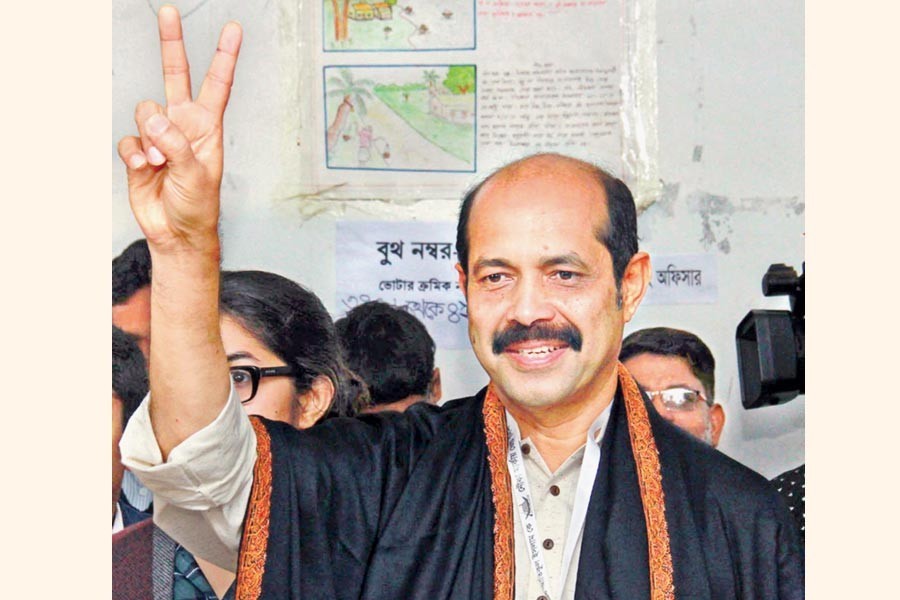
(594, 433)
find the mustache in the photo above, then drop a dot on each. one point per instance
(517, 332)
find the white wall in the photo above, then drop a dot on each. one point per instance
(730, 83)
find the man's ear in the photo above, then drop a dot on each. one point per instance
(634, 283)
(717, 418)
(462, 280)
(434, 388)
(315, 402)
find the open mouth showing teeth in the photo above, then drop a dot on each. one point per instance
(538, 351)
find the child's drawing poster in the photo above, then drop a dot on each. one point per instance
(421, 98)
(400, 117)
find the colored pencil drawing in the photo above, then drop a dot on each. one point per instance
(419, 117)
(373, 25)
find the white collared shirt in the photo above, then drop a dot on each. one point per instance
(554, 498)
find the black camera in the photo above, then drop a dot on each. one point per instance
(770, 343)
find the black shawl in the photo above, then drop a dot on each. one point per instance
(395, 505)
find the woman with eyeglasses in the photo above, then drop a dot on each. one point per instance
(283, 351)
(286, 366)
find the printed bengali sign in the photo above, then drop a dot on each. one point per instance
(682, 279)
(408, 264)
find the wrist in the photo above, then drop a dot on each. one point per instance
(197, 246)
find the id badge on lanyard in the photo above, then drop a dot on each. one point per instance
(525, 505)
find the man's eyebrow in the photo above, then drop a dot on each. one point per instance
(240, 355)
(570, 258)
(485, 263)
(687, 386)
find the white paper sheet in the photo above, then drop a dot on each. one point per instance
(682, 279)
(408, 264)
(423, 97)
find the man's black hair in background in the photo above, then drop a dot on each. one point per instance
(130, 271)
(389, 349)
(129, 372)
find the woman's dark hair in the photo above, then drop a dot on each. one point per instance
(292, 322)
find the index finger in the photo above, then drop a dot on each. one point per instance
(176, 72)
(216, 86)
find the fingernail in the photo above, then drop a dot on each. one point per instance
(156, 124)
(137, 161)
(156, 157)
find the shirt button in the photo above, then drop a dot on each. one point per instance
(542, 597)
(554, 490)
(548, 544)
(526, 448)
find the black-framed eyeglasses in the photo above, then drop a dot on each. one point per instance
(679, 398)
(245, 378)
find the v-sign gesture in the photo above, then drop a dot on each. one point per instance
(174, 174)
(175, 163)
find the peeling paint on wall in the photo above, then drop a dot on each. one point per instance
(667, 198)
(716, 213)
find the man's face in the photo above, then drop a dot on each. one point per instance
(655, 372)
(133, 317)
(541, 292)
(118, 470)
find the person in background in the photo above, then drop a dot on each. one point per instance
(678, 372)
(129, 386)
(131, 313)
(131, 293)
(286, 366)
(792, 486)
(393, 353)
(283, 351)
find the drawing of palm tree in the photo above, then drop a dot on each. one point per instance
(353, 91)
(431, 78)
(356, 89)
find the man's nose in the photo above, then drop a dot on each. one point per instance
(530, 302)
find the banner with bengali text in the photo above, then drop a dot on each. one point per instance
(409, 264)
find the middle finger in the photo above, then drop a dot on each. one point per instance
(176, 71)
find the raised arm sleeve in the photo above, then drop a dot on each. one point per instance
(200, 493)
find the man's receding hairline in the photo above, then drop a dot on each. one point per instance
(511, 173)
(516, 170)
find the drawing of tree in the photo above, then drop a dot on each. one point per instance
(354, 89)
(353, 92)
(460, 79)
(431, 78)
(341, 14)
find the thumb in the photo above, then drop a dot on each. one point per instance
(172, 143)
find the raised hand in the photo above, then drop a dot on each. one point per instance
(175, 163)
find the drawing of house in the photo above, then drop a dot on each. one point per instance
(361, 12)
(456, 109)
(383, 11)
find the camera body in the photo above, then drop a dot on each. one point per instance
(771, 343)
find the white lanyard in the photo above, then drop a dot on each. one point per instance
(522, 498)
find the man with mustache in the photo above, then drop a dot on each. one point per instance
(555, 481)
